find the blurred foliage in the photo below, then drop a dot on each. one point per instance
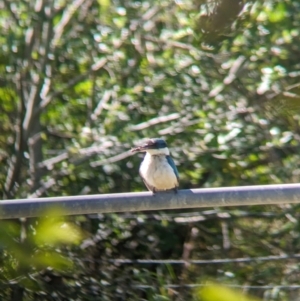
(82, 81)
(214, 292)
(28, 248)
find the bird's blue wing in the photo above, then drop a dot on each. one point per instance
(171, 162)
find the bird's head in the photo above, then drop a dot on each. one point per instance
(154, 146)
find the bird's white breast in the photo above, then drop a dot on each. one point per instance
(158, 173)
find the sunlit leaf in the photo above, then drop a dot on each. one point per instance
(55, 231)
(217, 292)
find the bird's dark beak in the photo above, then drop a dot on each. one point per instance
(135, 149)
(141, 148)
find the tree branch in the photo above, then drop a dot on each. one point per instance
(154, 121)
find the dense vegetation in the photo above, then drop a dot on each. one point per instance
(83, 81)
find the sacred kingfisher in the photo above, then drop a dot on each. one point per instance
(158, 169)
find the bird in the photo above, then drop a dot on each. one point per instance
(158, 169)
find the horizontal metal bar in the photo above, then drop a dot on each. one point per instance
(195, 261)
(143, 201)
(235, 286)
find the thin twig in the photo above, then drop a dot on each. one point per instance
(154, 121)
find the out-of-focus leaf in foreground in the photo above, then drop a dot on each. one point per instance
(216, 292)
(55, 230)
(30, 246)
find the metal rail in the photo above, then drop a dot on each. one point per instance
(143, 201)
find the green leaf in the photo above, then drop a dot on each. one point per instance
(215, 292)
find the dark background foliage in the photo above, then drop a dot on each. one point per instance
(83, 81)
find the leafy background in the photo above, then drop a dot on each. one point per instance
(83, 81)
